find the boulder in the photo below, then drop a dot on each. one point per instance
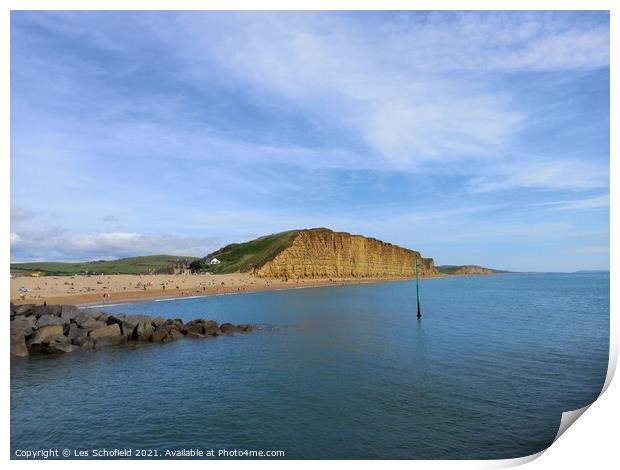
(244, 327)
(58, 339)
(75, 333)
(110, 330)
(110, 340)
(49, 320)
(86, 342)
(58, 344)
(175, 334)
(228, 328)
(85, 315)
(144, 330)
(41, 310)
(59, 347)
(178, 324)
(102, 317)
(43, 334)
(194, 328)
(193, 334)
(24, 324)
(115, 319)
(18, 344)
(130, 324)
(159, 335)
(24, 309)
(69, 312)
(212, 330)
(158, 321)
(91, 324)
(209, 324)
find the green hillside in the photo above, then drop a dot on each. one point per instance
(135, 265)
(241, 257)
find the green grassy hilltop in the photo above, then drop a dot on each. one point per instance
(241, 257)
(135, 265)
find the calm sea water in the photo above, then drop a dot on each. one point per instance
(338, 372)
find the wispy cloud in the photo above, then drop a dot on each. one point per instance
(58, 244)
(227, 124)
(544, 174)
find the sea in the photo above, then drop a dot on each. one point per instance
(338, 372)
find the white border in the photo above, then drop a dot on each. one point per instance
(590, 443)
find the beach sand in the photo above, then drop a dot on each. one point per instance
(112, 289)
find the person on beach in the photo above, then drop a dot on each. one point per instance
(22, 292)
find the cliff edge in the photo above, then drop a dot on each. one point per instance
(319, 253)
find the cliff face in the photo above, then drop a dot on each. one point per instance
(324, 253)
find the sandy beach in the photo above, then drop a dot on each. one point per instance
(109, 289)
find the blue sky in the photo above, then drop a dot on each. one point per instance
(478, 137)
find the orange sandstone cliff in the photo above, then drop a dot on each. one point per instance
(320, 252)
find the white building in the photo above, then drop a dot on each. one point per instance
(215, 261)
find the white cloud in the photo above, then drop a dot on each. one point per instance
(57, 244)
(400, 112)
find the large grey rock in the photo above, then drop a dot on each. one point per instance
(110, 340)
(202, 327)
(44, 333)
(144, 330)
(41, 310)
(26, 325)
(115, 319)
(24, 309)
(158, 321)
(18, 344)
(178, 324)
(69, 312)
(175, 334)
(103, 317)
(193, 334)
(85, 315)
(228, 328)
(110, 330)
(159, 335)
(75, 333)
(60, 347)
(58, 339)
(86, 342)
(194, 328)
(126, 326)
(91, 324)
(48, 320)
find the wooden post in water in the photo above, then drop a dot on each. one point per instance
(417, 286)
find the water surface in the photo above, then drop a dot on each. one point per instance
(338, 372)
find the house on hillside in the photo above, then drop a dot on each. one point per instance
(214, 261)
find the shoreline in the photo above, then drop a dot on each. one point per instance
(85, 291)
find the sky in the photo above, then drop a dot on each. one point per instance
(473, 137)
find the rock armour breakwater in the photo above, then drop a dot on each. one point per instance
(37, 329)
(323, 253)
